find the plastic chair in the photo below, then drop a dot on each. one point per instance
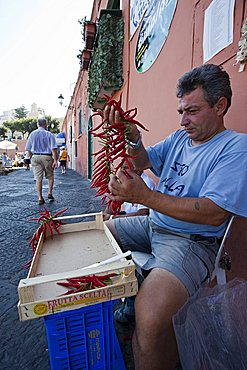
(219, 269)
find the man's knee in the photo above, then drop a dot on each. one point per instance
(159, 298)
(149, 322)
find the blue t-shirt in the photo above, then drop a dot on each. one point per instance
(216, 170)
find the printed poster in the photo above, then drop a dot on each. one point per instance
(153, 32)
(137, 10)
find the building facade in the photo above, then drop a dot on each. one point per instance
(161, 40)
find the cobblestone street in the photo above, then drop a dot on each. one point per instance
(23, 344)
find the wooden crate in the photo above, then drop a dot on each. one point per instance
(78, 251)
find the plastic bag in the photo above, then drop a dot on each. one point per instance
(211, 328)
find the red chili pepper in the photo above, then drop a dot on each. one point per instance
(112, 138)
(129, 164)
(118, 125)
(48, 227)
(47, 223)
(67, 293)
(128, 113)
(116, 150)
(100, 166)
(102, 191)
(60, 212)
(101, 177)
(102, 150)
(99, 282)
(99, 126)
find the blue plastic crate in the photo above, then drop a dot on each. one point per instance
(84, 339)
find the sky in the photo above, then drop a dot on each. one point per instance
(39, 42)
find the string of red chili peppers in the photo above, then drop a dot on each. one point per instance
(113, 154)
(88, 282)
(48, 225)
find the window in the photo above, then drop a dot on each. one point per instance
(80, 123)
(70, 134)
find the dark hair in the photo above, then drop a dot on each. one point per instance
(214, 81)
(42, 122)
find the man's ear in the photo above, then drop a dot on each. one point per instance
(221, 105)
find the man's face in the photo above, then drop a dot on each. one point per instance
(198, 119)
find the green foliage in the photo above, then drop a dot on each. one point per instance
(53, 124)
(12, 126)
(3, 132)
(21, 112)
(107, 59)
(28, 124)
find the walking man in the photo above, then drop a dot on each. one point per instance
(42, 147)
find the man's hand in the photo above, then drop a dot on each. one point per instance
(55, 164)
(111, 115)
(106, 216)
(127, 186)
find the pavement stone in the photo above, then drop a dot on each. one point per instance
(23, 344)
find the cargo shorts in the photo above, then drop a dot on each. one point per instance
(190, 258)
(42, 164)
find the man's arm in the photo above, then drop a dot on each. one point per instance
(195, 210)
(55, 157)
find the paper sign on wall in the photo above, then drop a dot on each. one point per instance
(218, 27)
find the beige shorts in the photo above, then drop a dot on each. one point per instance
(42, 164)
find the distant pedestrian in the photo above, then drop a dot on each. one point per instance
(27, 160)
(4, 159)
(42, 148)
(16, 160)
(63, 157)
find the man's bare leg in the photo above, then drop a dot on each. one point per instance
(154, 342)
(39, 189)
(51, 183)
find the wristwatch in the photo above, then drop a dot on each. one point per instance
(136, 145)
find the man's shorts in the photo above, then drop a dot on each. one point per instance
(63, 163)
(190, 258)
(42, 164)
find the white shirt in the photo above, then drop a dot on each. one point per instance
(134, 207)
(26, 155)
